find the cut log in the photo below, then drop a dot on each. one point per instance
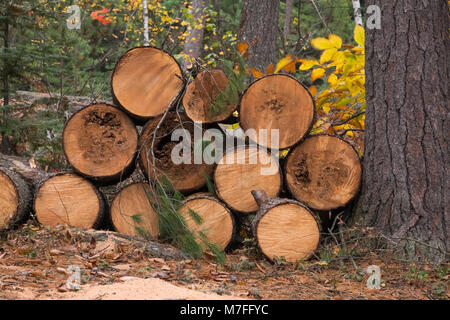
(69, 199)
(207, 215)
(277, 102)
(324, 172)
(145, 81)
(132, 212)
(184, 177)
(285, 229)
(15, 200)
(245, 169)
(100, 142)
(206, 99)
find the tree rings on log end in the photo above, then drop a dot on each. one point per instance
(145, 81)
(288, 231)
(69, 199)
(200, 99)
(186, 176)
(277, 102)
(132, 212)
(243, 170)
(100, 142)
(208, 215)
(324, 172)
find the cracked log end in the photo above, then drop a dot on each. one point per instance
(132, 212)
(69, 199)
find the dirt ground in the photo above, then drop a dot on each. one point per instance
(34, 264)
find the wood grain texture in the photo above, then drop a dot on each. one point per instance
(69, 199)
(145, 80)
(100, 142)
(324, 172)
(217, 221)
(289, 231)
(133, 201)
(277, 102)
(243, 170)
(185, 177)
(201, 94)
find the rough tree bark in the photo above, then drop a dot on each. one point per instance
(259, 28)
(406, 188)
(194, 42)
(288, 18)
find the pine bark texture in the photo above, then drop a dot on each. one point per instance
(259, 28)
(406, 188)
(194, 42)
(288, 18)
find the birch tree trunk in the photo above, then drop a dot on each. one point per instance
(357, 12)
(259, 28)
(406, 183)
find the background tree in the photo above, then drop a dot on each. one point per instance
(406, 188)
(194, 41)
(259, 28)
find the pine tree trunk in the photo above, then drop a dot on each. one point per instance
(194, 41)
(259, 28)
(288, 19)
(406, 188)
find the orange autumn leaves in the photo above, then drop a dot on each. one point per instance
(100, 17)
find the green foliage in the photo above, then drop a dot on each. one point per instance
(166, 202)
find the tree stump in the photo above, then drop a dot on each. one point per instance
(285, 229)
(69, 199)
(208, 215)
(15, 200)
(132, 212)
(324, 172)
(245, 169)
(185, 177)
(201, 100)
(145, 81)
(100, 143)
(277, 102)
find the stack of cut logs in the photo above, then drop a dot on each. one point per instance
(320, 173)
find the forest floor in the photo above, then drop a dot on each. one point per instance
(34, 264)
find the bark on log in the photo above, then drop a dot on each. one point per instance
(324, 172)
(132, 212)
(15, 199)
(69, 199)
(201, 99)
(184, 177)
(32, 175)
(206, 214)
(285, 228)
(100, 142)
(245, 169)
(145, 81)
(277, 102)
